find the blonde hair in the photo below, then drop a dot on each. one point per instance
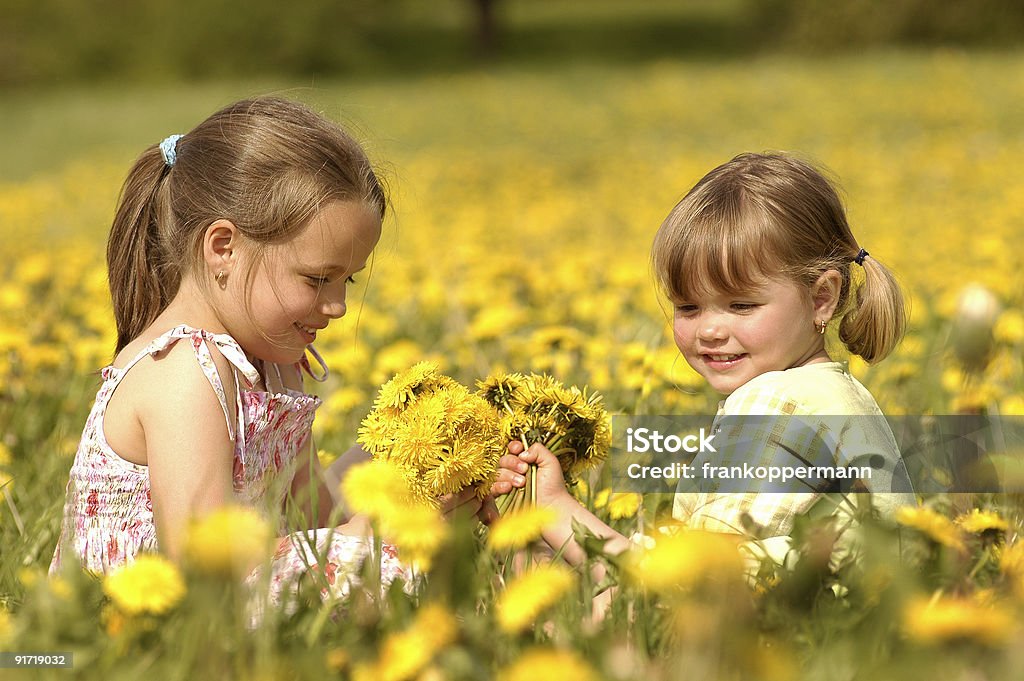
(266, 164)
(771, 215)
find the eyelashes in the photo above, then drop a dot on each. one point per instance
(320, 282)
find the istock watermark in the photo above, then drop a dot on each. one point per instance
(789, 453)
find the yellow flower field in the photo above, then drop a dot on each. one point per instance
(524, 207)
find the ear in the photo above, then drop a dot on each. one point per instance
(220, 246)
(825, 294)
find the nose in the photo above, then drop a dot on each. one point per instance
(335, 309)
(332, 302)
(710, 327)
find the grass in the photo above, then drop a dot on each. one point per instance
(565, 172)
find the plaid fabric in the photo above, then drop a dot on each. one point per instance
(773, 422)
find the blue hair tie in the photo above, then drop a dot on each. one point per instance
(859, 258)
(168, 149)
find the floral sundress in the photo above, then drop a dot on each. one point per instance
(108, 515)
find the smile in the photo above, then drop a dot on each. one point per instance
(722, 361)
(309, 331)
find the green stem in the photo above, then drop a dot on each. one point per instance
(982, 561)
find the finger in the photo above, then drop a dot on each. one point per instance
(513, 463)
(530, 455)
(539, 454)
(515, 446)
(467, 495)
(501, 487)
(511, 477)
(488, 512)
(460, 499)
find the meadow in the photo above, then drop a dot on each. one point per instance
(524, 203)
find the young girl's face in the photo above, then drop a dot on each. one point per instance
(731, 338)
(299, 286)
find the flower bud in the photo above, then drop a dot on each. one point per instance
(976, 313)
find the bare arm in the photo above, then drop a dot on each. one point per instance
(188, 450)
(551, 493)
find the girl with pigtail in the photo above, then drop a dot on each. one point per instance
(232, 247)
(758, 261)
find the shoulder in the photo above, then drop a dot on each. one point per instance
(178, 383)
(824, 388)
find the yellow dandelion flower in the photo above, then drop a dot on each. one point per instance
(402, 389)
(682, 559)
(1012, 405)
(517, 529)
(443, 437)
(1011, 559)
(548, 664)
(406, 653)
(377, 432)
(581, 490)
(376, 489)
(6, 626)
(337, 659)
(113, 621)
(499, 388)
(624, 505)
(935, 526)
(29, 576)
(1009, 327)
(978, 521)
(60, 588)
(418, 531)
(602, 497)
(229, 541)
(526, 597)
(935, 621)
(151, 584)
(5, 455)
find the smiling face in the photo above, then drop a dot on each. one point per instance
(731, 338)
(299, 286)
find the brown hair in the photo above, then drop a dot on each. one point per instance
(775, 215)
(265, 164)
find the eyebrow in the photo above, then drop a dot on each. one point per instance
(328, 269)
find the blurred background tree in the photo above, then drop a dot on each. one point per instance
(57, 41)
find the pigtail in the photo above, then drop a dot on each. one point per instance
(138, 270)
(877, 318)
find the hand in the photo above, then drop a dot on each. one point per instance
(512, 469)
(465, 502)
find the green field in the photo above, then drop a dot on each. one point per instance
(565, 169)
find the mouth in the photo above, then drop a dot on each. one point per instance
(722, 361)
(308, 332)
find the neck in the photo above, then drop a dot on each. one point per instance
(190, 306)
(817, 356)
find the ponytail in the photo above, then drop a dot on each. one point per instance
(142, 282)
(877, 318)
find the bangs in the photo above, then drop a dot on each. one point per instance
(702, 257)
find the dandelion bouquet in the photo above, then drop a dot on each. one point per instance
(443, 437)
(571, 422)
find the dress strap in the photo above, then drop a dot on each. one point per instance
(305, 366)
(228, 347)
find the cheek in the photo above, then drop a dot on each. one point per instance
(681, 333)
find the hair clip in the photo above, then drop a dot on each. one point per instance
(169, 150)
